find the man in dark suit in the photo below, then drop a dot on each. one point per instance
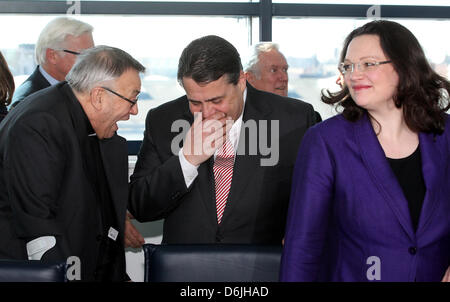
(61, 40)
(230, 180)
(64, 170)
(267, 70)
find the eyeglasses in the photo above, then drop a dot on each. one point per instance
(364, 66)
(71, 51)
(122, 97)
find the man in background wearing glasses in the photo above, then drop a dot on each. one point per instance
(64, 170)
(57, 47)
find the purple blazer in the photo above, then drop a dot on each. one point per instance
(348, 218)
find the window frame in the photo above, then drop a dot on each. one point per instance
(264, 9)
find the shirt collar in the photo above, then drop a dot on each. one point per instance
(48, 77)
(236, 128)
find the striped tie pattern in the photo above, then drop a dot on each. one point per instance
(223, 173)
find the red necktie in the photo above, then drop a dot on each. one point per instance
(223, 173)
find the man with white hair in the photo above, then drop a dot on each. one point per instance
(267, 70)
(58, 45)
(64, 170)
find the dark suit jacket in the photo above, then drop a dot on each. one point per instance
(35, 82)
(259, 195)
(44, 185)
(348, 215)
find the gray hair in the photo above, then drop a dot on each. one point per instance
(54, 34)
(253, 63)
(99, 64)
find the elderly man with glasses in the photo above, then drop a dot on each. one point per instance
(57, 47)
(267, 70)
(64, 170)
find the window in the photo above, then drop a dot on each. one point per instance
(155, 41)
(313, 55)
(155, 38)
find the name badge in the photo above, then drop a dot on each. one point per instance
(112, 233)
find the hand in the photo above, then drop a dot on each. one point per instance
(132, 236)
(446, 276)
(205, 136)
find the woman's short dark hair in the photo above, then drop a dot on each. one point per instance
(422, 93)
(207, 59)
(6, 82)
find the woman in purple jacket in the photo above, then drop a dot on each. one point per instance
(370, 197)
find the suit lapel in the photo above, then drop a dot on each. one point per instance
(39, 79)
(380, 171)
(206, 187)
(432, 168)
(114, 154)
(205, 179)
(246, 165)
